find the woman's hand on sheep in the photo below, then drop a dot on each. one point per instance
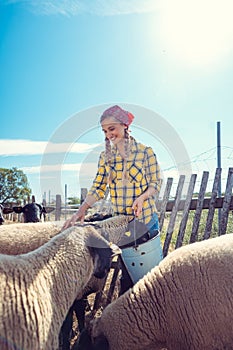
(79, 215)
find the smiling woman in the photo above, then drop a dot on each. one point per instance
(197, 33)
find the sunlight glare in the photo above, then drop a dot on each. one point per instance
(197, 32)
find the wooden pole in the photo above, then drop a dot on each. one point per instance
(219, 165)
(83, 194)
(58, 208)
(65, 199)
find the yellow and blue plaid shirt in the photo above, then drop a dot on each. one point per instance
(143, 171)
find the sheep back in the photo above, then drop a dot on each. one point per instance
(22, 238)
(113, 228)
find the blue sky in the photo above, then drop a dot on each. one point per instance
(63, 62)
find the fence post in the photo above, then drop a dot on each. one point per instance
(226, 202)
(58, 207)
(83, 194)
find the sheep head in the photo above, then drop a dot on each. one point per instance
(102, 252)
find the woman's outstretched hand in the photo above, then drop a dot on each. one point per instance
(79, 215)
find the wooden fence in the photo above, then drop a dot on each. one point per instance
(176, 211)
(197, 205)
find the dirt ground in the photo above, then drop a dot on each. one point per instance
(90, 312)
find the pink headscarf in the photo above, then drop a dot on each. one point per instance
(119, 114)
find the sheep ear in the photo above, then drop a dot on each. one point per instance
(7, 210)
(18, 210)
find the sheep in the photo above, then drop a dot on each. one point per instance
(183, 303)
(34, 284)
(32, 212)
(113, 229)
(97, 217)
(19, 239)
(22, 238)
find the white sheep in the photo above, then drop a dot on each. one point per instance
(34, 284)
(22, 238)
(113, 229)
(184, 303)
(19, 239)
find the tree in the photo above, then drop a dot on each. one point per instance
(13, 185)
(73, 200)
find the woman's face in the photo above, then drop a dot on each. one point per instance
(113, 130)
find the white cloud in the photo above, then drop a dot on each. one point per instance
(29, 147)
(51, 168)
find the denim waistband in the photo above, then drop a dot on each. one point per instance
(153, 225)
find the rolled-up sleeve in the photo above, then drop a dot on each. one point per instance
(152, 169)
(99, 185)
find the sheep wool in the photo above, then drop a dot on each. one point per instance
(186, 302)
(19, 239)
(34, 284)
(114, 228)
(22, 238)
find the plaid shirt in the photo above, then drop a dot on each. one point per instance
(142, 170)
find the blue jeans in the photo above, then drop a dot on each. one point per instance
(153, 226)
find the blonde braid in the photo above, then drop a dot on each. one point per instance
(126, 149)
(108, 156)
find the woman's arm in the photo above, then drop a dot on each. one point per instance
(152, 173)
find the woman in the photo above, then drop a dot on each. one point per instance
(130, 170)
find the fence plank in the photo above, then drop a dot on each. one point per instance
(200, 202)
(113, 282)
(58, 208)
(100, 300)
(211, 210)
(162, 208)
(185, 215)
(172, 220)
(193, 205)
(99, 297)
(226, 202)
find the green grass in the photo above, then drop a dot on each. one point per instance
(188, 230)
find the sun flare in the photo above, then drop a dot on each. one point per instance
(197, 32)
